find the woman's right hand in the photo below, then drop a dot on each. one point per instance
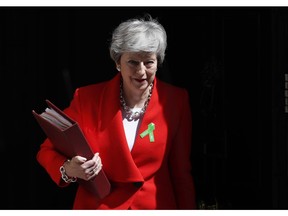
(82, 168)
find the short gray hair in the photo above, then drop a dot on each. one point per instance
(139, 35)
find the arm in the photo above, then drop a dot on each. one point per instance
(77, 166)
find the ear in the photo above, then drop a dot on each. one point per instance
(118, 67)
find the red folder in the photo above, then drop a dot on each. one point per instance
(71, 142)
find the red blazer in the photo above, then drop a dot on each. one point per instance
(154, 175)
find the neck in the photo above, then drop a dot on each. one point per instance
(142, 103)
(136, 100)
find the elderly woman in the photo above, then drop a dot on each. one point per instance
(138, 127)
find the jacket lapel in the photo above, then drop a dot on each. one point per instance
(118, 162)
(148, 153)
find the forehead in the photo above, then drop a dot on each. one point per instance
(139, 55)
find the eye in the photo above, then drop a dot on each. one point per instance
(133, 62)
(149, 63)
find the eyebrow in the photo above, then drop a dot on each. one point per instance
(141, 55)
(136, 58)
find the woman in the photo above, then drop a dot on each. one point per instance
(138, 126)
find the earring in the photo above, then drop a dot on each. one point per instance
(118, 68)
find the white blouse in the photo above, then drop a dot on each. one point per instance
(130, 128)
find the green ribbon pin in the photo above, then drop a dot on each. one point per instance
(149, 131)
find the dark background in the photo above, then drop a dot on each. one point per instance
(232, 60)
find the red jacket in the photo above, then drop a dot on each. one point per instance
(154, 175)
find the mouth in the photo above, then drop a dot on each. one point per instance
(140, 80)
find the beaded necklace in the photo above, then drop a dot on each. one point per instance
(129, 113)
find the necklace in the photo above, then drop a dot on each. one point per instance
(129, 113)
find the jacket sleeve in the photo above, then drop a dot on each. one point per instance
(180, 162)
(51, 161)
(47, 156)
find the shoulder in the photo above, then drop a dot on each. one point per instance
(98, 88)
(92, 87)
(95, 94)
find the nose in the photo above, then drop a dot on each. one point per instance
(141, 68)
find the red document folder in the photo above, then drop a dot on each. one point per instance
(71, 142)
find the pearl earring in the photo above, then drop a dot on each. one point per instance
(118, 68)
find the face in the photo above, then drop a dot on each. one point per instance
(138, 70)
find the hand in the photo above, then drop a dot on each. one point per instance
(82, 168)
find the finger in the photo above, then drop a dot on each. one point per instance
(96, 157)
(98, 161)
(99, 165)
(80, 159)
(95, 171)
(92, 171)
(98, 170)
(89, 174)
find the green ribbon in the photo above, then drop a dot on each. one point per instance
(149, 131)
